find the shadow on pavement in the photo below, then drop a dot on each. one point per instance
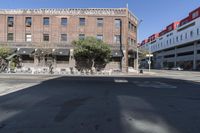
(103, 105)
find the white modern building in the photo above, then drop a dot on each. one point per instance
(178, 45)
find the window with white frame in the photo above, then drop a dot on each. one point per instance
(63, 37)
(117, 23)
(100, 37)
(28, 37)
(99, 22)
(28, 21)
(81, 36)
(117, 39)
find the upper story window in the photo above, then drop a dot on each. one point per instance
(28, 21)
(185, 35)
(129, 25)
(81, 36)
(133, 41)
(117, 39)
(99, 22)
(132, 27)
(181, 37)
(195, 14)
(82, 21)
(191, 33)
(10, 21)
(63, 21)
(177, 39)
(198, 31)
(46, 37)
(28, 37)
(117, 23)
(169, 28)
(10, 37)
(63, 37)
(135, 28)
(100, 37)
(46, 21)
(129, 41)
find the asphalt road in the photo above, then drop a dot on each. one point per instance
(184, 75)
(99, 105)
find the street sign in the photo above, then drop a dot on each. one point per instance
(149, 62)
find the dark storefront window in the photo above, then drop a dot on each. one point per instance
(46, 37)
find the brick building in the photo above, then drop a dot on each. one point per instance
(51, 31)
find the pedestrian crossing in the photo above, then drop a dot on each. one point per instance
(6, 88)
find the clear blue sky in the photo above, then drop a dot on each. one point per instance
(156, 14)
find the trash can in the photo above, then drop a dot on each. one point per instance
(141, 71)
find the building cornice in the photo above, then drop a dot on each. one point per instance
(67, 11)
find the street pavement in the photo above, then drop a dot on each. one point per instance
(78, 104)
(184, 75)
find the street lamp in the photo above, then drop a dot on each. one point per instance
(149, 61)
(137, 58)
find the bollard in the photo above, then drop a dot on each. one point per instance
(141, 71)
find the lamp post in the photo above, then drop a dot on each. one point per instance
(137, 58)
(149, 61)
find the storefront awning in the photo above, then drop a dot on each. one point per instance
(25, 51)
(61, 52)
(13, 50)
(117, 54)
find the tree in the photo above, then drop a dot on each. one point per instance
(4, 52)
(91, 53)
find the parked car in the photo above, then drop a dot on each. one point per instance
(177, 68)
(166, 68)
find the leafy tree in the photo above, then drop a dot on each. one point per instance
(4, 52)
(91, 53)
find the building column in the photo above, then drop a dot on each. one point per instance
(162, 58)
(195, 55)
(36, 61)
(124, 60)
(71, 58)
(175, 57)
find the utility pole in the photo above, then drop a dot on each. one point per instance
(137, 50)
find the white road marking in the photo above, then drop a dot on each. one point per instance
(120, 81)
(153, 84)
(6, 88)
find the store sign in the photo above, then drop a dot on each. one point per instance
(65, 11)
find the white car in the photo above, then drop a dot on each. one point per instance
(177, 68)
